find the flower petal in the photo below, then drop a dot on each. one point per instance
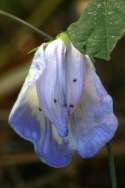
(51, 87)
(62, 83)
(75, 76)
(27, 119)
(93, 123)
(53, 149)
(36, 69)
(29, 122)
(23, 118)
(27, 101)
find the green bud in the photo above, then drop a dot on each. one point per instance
(64, 36)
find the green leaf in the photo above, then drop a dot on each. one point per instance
(99, 28)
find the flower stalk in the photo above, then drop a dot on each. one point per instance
(32, 27)
(112, 166)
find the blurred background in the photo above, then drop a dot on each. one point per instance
(19, 165)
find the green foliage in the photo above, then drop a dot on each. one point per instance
(99, 28)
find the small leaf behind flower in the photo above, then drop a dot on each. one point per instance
(33, 50)
(99, 28)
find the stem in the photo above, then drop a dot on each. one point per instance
(19, 20)
(112, 166)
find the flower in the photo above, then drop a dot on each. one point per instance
(63, 107)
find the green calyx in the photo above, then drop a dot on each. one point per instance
(64, 36)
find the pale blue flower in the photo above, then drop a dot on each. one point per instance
(63, 107)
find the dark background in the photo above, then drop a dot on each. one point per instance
(19, 165)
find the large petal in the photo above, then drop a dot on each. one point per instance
(29, 122)
(62, 83)
(22, 111)
(51, 86)
(93, 124)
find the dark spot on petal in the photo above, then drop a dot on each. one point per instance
(71, 106)
(55, 101)
(40, 109)
(74, 80)
(65, 105)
